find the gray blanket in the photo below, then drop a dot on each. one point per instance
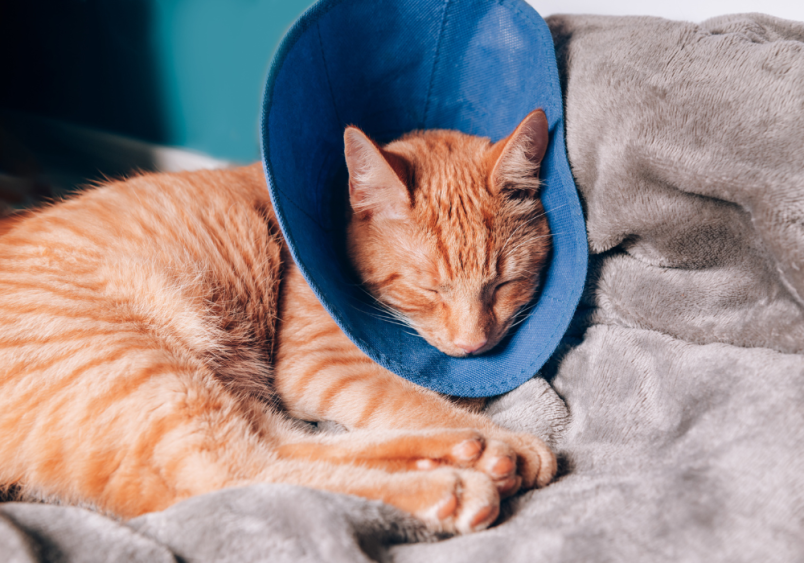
(676, 405)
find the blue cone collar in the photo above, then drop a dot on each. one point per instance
(389, 67)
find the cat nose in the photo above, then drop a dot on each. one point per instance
(470, 346)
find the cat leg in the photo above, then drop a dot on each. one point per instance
(447, 499)
(145, 429)
(401, 450)
(415, 450)
(321, 375)
(367, 396)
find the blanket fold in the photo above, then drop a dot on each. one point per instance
(686, 142)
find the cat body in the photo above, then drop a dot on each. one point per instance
(156, 336)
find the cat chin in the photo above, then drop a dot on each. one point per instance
(451, 350)
(456, 352)
(460, 354)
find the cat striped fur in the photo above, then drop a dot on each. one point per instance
(157, 342)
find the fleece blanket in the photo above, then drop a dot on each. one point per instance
(676, 403)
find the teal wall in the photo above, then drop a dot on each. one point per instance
(213, 60)
(188, 73)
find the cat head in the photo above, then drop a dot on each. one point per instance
(447, 230)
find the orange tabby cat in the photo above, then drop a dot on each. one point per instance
(155, 335)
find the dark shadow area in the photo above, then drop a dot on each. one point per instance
(565, 466)
(89, 62)
(84, 62)
(11, 493)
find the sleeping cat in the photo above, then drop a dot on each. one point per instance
(156, 335)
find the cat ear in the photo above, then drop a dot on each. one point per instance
(515, 160)
(374, 178)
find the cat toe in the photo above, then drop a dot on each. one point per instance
(480, 503)
(469, 502)
(536, 464)
(509, 486)
(461, 448)
(468, 450)
(499, 462)
(483, 517)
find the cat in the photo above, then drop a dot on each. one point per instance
(158, 342)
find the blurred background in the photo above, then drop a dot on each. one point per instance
(92, 87)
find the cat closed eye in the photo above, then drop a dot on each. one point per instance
(504, 284)
(508, 284)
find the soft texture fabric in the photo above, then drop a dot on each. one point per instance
(681, 431)
(390, 67)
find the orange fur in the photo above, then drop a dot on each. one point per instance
(463, 256)
(143, 359)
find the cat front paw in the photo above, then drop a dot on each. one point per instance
(512, 461)
(535, 463)
(451, 500)
(500, 462)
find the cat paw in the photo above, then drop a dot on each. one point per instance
(512, 461)
(499, 462)
(535, 463)
(455, 501)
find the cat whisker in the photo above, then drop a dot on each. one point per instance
(521, 315)
(383, 308)
(543, 213)
(389, 310)
(529, 222)
(383, 318)
(510, 236)
(529, 240)
(386, 315)
(518, 322)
